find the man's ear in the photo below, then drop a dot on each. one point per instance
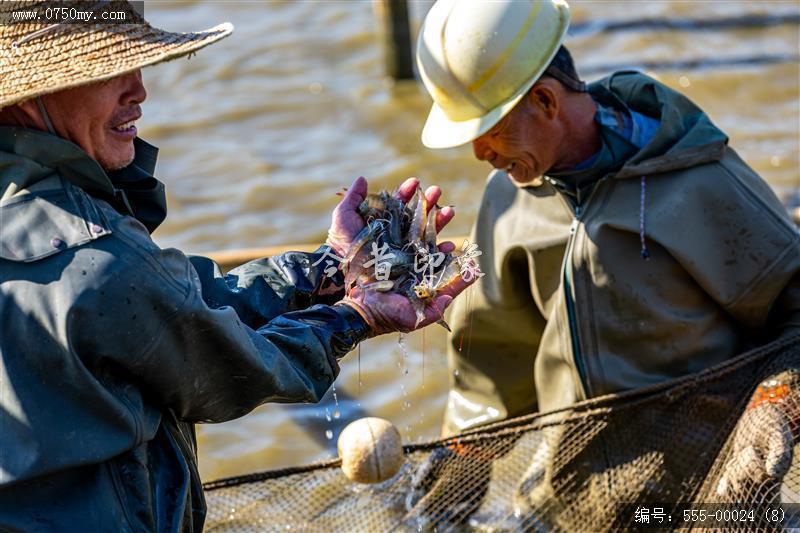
(544, 97)
(27, 115)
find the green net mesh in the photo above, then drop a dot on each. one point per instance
(724, 436)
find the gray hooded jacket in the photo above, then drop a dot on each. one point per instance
(569, 309)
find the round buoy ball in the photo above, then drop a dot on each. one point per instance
(371, 450)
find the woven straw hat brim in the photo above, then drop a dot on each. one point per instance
(75, 55)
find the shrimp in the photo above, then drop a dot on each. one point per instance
(396, 239)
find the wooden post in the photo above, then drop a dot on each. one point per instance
(397, 38)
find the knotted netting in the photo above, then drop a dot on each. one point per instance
(714, 449)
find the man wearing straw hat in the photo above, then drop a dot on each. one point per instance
(624, 242)
(112, 347)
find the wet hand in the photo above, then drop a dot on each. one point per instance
(346, 223)
(386, 312)
(761, 454)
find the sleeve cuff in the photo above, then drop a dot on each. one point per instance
(357, 329)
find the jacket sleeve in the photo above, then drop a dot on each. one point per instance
(497, 324)
(202, 362)
(262, 289)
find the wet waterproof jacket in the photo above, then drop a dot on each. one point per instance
(111, 347)
(569, 309)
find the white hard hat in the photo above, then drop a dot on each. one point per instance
(478, 58)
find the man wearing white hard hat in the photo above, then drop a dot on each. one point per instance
(111, 347)
(624, 243)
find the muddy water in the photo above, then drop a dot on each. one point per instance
(259, 131)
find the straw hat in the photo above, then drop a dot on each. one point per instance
(41, 58)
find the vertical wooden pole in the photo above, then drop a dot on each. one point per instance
(397, 35)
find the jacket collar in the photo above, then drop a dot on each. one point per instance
(54, 154)
(615, 151)
(132, 190)
(144, 195)
(686, 136)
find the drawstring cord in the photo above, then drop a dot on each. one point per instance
(645, 251)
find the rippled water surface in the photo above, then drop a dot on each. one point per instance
(259, 131)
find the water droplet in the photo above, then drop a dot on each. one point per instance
(327, 415)
(406, 404)
(775, 161)
(455, 372)
(315, 87)
(405, 371)
(401, 342)
(329, 434)
(684, 82)
(335, 398)
(337, 414)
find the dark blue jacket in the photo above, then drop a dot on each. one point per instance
(111, 347)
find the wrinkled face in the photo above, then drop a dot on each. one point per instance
(100, 117)
(525, 143)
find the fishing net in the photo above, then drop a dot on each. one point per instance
(713, 449)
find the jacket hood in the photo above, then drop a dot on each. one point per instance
(686, 137)
(32, 161)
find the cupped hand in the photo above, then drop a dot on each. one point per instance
(346, 223)
(386, 312)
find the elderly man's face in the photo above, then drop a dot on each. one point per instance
(100, 117)
(525, 143)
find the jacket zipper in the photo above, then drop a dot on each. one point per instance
(577, 355)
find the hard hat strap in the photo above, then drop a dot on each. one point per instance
(45, 116)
